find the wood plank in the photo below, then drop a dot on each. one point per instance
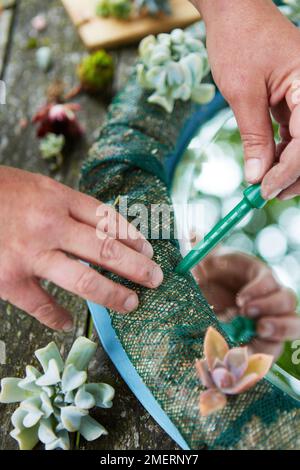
(129, 425)
(81, 11)
(99, 32)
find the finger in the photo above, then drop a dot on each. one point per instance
(281, 302)
(85, 282)
(291, 192)
(96, 214)
(287, 171)
(258, 345)
(285, 328)
(30, 297)
(231, 269)
(82, 241)
(255, 125)
(263, 284)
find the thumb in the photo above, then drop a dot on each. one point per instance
(255, 125)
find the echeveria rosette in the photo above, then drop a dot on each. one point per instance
(51, 147)
(226, 371)
(58, 400)
(174, 66)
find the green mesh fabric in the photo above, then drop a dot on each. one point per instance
(165, 335)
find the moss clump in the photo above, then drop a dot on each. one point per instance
(96, 71)
(116, 8)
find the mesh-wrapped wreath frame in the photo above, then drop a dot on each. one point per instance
(156, 346)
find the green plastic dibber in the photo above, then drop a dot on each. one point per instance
(252, 200)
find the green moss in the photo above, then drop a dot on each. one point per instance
(96, 71)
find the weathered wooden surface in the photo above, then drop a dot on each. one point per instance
(130, 427)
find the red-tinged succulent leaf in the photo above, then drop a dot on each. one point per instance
(259, 364)
(211, 401)
(59, 119)
(223, 379)
(42, 113)
(246, 382)
(203, 373)
(236, 361)
(215, 347)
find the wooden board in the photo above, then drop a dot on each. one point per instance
(97, 32)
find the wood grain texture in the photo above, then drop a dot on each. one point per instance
(99, 32)
(129, 425)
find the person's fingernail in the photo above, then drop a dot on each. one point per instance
(68, 326)
(267, 194)
(253, 169)
(157, 277)
(241, 301)
(287, 197)
(131, 303)
(147, 249)
(266, 330)
(253, 312)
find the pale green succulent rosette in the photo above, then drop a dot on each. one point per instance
(174, 66)
(58, 400)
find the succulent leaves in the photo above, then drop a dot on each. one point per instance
(123, 9)
(58, 400)
(227, 371)
(115, 8)
(173, 67)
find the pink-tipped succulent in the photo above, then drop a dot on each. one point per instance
(58, 119)
(226, 371)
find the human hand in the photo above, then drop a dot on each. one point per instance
(254, 53)
(238, 284)
(44, 226)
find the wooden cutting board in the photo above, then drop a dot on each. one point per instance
(97, 32)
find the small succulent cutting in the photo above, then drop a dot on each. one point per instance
(173, 66)
(116, 8)
(59, 119)
(51, 147)
(96, 72)
(58, 400)
(227, 371)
